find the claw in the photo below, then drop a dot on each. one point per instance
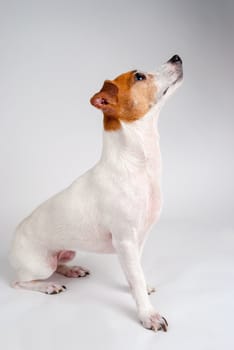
(165, 321)
(150, 290)
(54, 292)
(156, 323)
(163, 327)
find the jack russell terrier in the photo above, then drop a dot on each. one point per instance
(112, 207)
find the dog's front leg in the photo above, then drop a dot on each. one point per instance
(149, 289)
(128, 253)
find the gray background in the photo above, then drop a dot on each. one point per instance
(53, 56)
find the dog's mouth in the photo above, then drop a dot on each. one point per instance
(176, 81)
(165, 91)
(179, 78)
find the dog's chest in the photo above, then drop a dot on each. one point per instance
(143, 195)
(131, 167)
(152, 195)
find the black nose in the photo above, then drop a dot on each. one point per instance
(175, 59)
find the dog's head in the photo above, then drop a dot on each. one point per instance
(131, 95)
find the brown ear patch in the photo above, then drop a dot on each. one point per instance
(106, 100)
(98, 101)
(110, 88)
(124, 99)
(106, 97)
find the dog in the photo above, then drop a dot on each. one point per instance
(112, 207)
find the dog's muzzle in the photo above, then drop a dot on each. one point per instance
(175, 59)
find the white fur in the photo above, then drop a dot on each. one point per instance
(109, 209)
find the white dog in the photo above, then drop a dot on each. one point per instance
(111, 208)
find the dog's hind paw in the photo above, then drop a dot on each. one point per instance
(54, 289)
(41, 286)
(72, 271)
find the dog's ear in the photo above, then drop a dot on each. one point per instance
(106, 98)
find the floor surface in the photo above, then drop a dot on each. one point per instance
(190, 265)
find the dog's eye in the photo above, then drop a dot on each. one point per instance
(140, 76)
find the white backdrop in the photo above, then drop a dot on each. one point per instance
(55, 54)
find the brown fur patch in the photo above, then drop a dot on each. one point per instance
(111, 123)
(125, 98)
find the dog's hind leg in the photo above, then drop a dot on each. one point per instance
(70, 271)
(32, 278)
(33, 266)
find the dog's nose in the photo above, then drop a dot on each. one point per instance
(175, 59)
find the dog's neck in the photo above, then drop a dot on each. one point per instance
(134, 145)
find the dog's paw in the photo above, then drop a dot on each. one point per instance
(150, 290)
(155, 322)
(41, 286)
(72, 271)
(54, 288)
